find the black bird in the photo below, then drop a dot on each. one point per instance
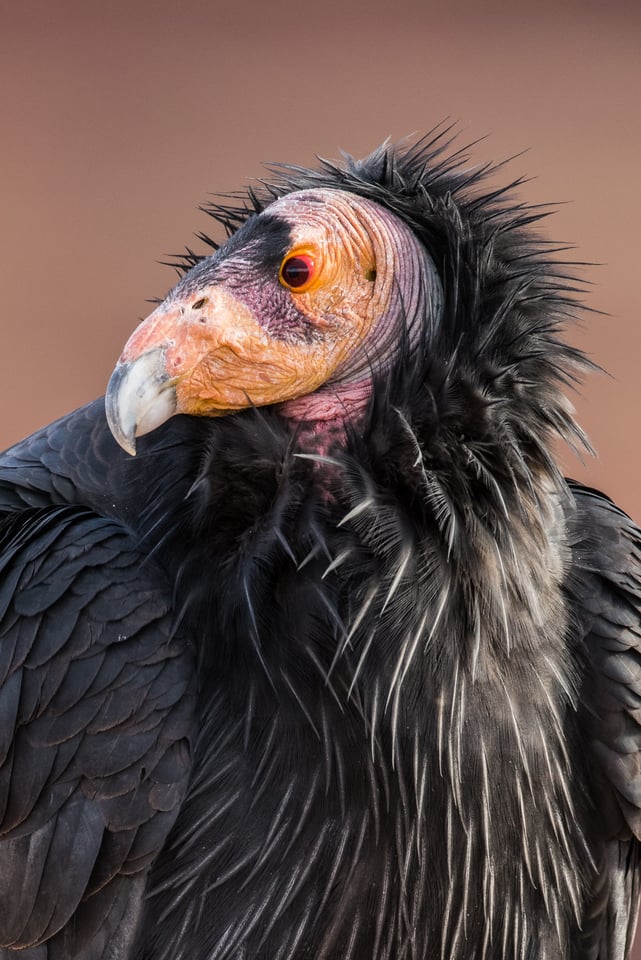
(352, 673)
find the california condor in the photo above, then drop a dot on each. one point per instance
(338, 666)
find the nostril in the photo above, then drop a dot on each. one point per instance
(198, 304)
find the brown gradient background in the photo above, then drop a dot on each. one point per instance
(118, 119)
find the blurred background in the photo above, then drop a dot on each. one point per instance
(119, 118)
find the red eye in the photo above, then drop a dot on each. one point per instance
(297, 271)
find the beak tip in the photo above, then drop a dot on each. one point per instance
(128, 447)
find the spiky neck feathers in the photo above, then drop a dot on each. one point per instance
(435, 583)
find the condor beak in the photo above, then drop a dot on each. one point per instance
(140, 396)
(181, 359)
(164, 353)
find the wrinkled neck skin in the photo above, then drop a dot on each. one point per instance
(407, 299)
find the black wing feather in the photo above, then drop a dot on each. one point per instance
(96, 717)
(604, 589)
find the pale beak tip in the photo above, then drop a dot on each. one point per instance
(140, 397)
(129, 446)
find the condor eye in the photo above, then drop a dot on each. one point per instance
(297, 271)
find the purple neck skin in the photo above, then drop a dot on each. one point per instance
(320, 416)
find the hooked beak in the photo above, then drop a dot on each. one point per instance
(163, 369)
(140, 396)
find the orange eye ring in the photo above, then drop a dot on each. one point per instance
(298, 271)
